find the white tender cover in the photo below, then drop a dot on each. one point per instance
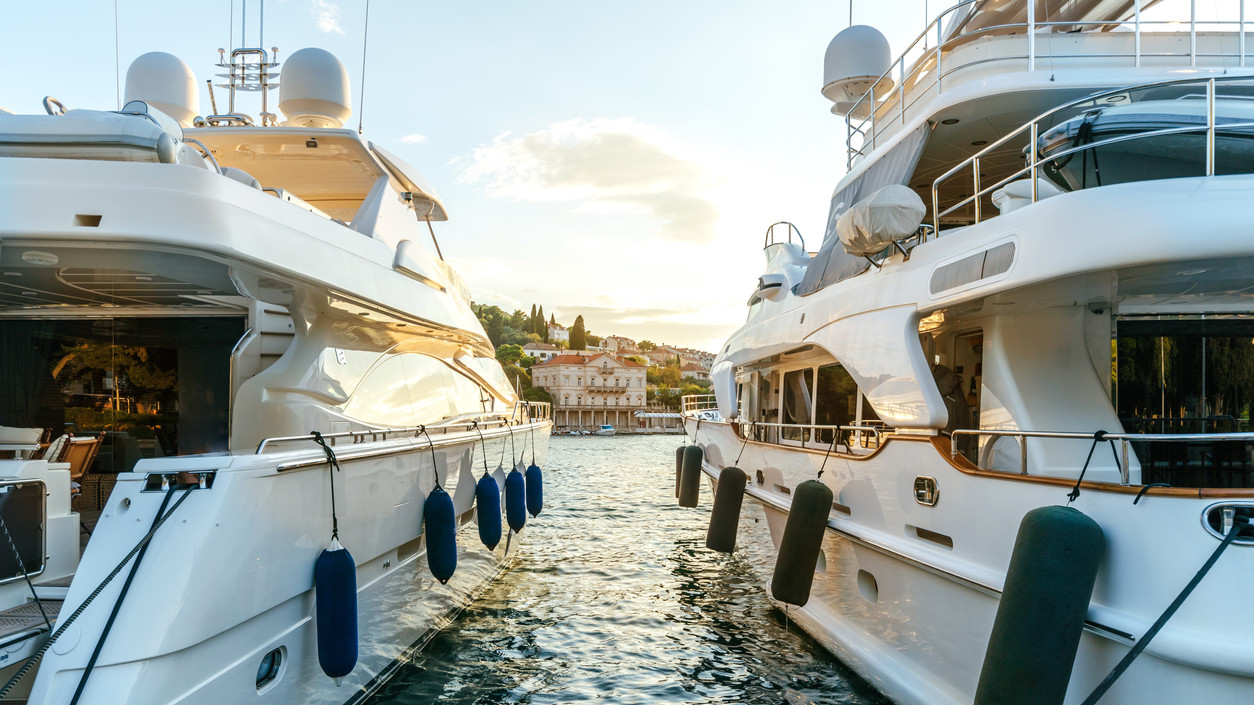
(1018, 194)
(82, 134)
(891, 213)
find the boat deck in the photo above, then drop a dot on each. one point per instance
(24, 619)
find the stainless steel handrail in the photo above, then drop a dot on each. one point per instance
(1123, 438)
(1033, 127)
(699, 402)
(867, 103)
(769, 239)
(208, 154)
(384, 434)
(863, 431)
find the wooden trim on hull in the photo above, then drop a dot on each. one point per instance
(961, 464)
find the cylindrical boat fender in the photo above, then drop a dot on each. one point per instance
(690, 479)
(335, 611)
(725, 517)
(679, 467)
(441, 530)
(1043, 605)
(535, 490)
(488, 515)
(802, 541)
(515, 500)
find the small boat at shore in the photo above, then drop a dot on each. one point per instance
(993, 437)
(605, 430)
(248, 326)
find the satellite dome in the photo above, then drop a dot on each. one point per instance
(854, 61)
(313, 90)
(166, 83)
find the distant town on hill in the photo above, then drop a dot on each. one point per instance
(591, 379)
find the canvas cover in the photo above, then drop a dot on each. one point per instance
(891, 213)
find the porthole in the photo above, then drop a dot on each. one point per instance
(868, 586)
(269, 668)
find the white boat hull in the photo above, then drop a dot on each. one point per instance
(913, 617)
(229, 577)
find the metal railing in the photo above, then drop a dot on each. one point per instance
(1034, 161)
(810, 435)
(532, 411)
(770, 238)
(1124, 439)
(699, 402)
(371, 435)
(919, 68)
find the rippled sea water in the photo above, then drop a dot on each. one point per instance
(615, 599)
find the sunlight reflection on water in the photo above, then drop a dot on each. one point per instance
(616, 599)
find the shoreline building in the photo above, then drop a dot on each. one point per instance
(557, 332)
(592, 389)
(541, 352)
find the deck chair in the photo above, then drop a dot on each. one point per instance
(79, 452)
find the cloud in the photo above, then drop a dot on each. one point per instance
(327, 14)
(703, 328)
(414, 139)
(604, 165)
(505, 303)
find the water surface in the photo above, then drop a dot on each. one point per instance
(616, 599)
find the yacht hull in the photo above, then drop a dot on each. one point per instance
(906, 594)
(229, 577)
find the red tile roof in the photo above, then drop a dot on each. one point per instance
(576, 359)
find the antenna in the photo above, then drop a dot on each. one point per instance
(361, 95)
(117, 58)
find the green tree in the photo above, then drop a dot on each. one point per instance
(515, 336)
(637, 358)
(538, 394)
(517, 376)
(542, 329)
(670, 375)
(509, 354)
(578, 335)
(646, 345)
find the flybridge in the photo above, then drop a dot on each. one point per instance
(970, 41)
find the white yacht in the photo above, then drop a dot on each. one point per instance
(221, 308)
(1034, 291)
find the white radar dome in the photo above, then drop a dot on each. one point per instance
(166, 83)
(313, 90)
(854, 61)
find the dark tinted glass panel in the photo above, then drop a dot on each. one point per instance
(1191, 376)
(153, 386)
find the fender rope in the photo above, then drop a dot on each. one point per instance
(334, 465)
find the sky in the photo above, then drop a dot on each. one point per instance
(619, 161)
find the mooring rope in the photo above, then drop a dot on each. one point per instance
(1241, 524)
(34, 659)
